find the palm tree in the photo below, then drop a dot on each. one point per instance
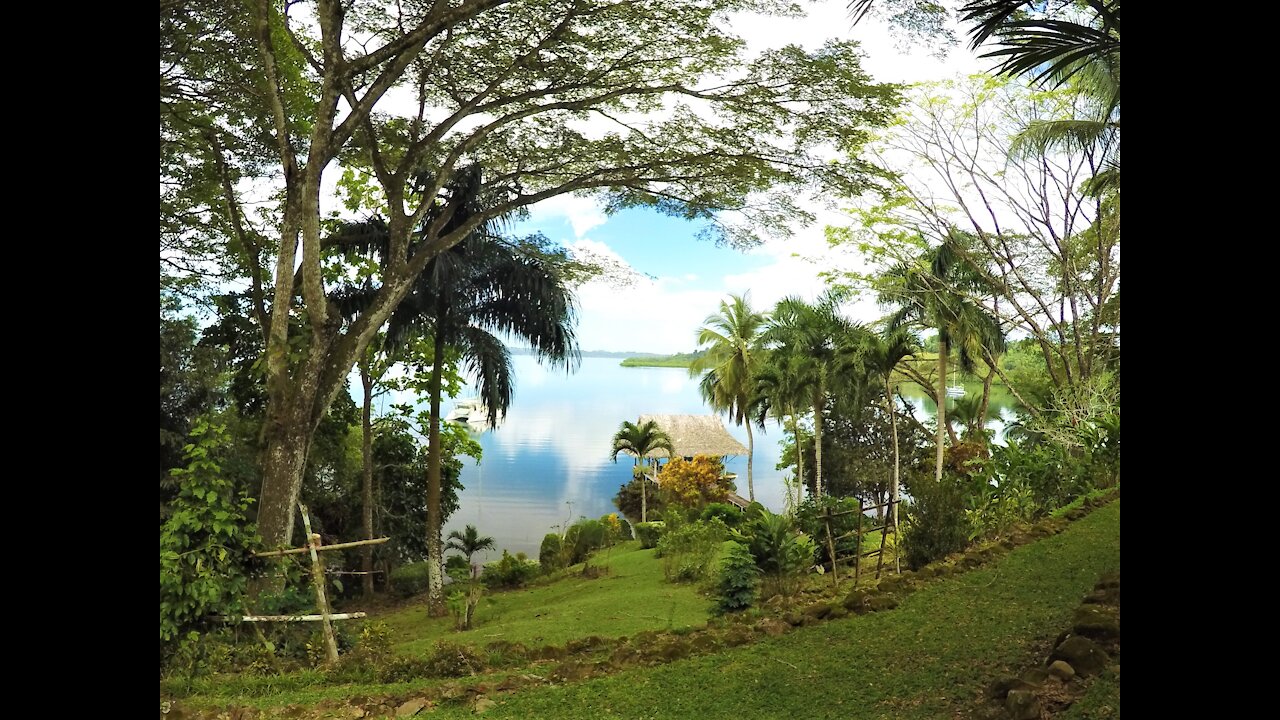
(935, 293)
(817, 342)
(780, 394)
(483, 285)
(469, 543)
(640, 440)
(883, 354)
(729, 363)
(1053, 43)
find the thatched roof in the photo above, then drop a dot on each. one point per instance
(696, 435)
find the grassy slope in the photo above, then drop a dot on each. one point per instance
(929, 658)
(631, 598)
(1101, 700)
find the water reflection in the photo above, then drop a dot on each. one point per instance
(548, 463)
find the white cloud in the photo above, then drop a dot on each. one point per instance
(582, 213)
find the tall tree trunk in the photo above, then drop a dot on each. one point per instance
(751, 451)
(893, 428)
(644, 494)
(817, 444)
(943, 350)
(283, 465)
(795, 432)
(435, 561)
(366, 452)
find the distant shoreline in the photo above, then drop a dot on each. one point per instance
(679, 360)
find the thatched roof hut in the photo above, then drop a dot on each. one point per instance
(696, 435)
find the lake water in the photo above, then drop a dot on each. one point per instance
(548, 463)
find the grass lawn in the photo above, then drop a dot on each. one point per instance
(632, 597)
(929, 658)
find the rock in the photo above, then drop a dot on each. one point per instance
(411, 707)
(837, 612)
(1035, 677)
(771, 627)
(1022, 705)
(1097, 621)
(624, 655)
(571, 670)
(793, 619)
(855, 599)
(999, 689)
(818, 611)
(703, 642)
(737, 636)
(1082, 654)
(484, 704)
(876, 603)
(1061, 670)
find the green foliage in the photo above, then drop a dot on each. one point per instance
(689, 551)
(936, 524)
(694, 483)
(512, 571)
(583, 538)
(739, 577)
(456, 562)
(809, 518)
(781, 551)
(628, 500)
(409, 580)
(678, 360)
(452, 660)
(649, 533)
(206, 544)
(728, 514)
(551, 555)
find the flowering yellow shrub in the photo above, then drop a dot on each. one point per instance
(696, 482)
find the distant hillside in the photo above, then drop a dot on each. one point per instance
(680, 360)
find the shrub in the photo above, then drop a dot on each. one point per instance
(583, 538)
(628, 500)
(739, 576)
(694, 483)
(689, 552)
(409, 580)
(781, 552)
(809, 519)
(451, 660)
(728, 514)
(454, 563)
(206, 544)
(550, 554)
(512, 571)
(937, 524)
(649, 533)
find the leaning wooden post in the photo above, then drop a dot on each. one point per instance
(857, 556)
(884, 533)
(831, 547)
(317, 578)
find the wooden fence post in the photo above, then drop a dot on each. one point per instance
(317, 578)
(857, 556)
(831, 547)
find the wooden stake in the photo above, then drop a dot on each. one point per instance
(857, 559)
(831, 548)
(317, 578)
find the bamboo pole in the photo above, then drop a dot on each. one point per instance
(287, 618)
(317, 578)
(335, 546)
(880, 557)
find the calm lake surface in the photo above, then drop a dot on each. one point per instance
(548, 462)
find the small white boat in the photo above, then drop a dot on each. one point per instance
(955, 391)
(472, 411)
